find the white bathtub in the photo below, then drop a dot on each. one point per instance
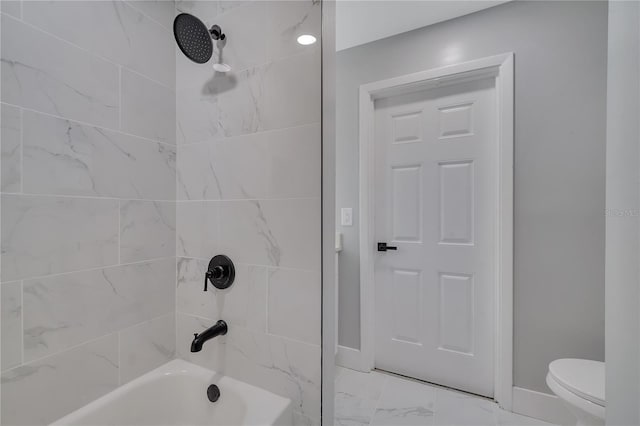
(176, 394)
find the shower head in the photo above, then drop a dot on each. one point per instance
(194, 39)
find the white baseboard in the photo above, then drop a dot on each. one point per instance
(350, 358)
(541, 406)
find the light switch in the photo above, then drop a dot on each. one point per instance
(346, 216)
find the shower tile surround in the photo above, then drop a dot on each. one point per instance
(125, 168)
(88, 202)
(248, 186)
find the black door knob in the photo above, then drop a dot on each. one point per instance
(385, 247)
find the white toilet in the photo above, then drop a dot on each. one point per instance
(579, 383)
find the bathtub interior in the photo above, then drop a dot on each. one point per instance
(175, 394)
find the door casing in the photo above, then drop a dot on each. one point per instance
(501, 67)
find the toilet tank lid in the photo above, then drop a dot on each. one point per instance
(583, 377)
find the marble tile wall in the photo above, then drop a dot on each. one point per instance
(248, 186)
(88, 182)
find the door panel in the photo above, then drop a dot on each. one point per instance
(435, 199)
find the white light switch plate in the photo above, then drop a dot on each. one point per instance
(346, 216)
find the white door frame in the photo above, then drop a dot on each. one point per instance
(502, 68)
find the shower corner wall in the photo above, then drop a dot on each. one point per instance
(248, 174)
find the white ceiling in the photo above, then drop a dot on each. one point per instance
(362, 21)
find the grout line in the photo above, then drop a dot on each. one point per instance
(98, 268)
(120, 98)
(70, 348)
(250, 199)
(87, 51)
(227, 139)
(21, 110)
(85, 123)
(119, 360)
(119, 231)
(21, 322)
(117, 332)
(131, 3)
(253, 331)
(268, 267)
(86, 197)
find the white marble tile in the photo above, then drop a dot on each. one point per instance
(245, 28)
(288, 368)
(11, 324)
(63, 157)
(457, 408)
(197, 233)
(10, 139)
(294, 304)
(290, 94)
(147, 230)
(398, 400)
(225, 6)
(356, 396)
(205, 10)
(296, 225)
(11, 7)
(405, 402)
(295, 162)
(111, 29)
(43, 391)
(71, 234)
(162, 11)
(282, 233)
(146, 346)
(285, 367)
(240, 101)
(234, 168)
(197, 113)
(286, 20)
(52, 76)
(148, 109)
(299, 419)
(506, 418)
(243, 304)
(112, 299)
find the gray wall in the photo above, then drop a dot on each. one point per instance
(623, 221)
(561, 63)
(88, 201)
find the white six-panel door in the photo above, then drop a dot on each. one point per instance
(435, 200)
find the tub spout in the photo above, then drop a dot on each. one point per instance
(218, 329)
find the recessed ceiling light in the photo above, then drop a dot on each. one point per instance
(306, 39)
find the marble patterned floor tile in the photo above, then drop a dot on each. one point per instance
(357, 396)
(405, 402)
(461, 409)
(384, 399)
